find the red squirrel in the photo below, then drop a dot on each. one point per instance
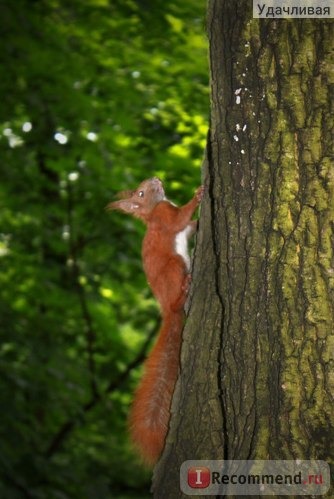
(167, 265)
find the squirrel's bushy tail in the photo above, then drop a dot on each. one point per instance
(150, 414)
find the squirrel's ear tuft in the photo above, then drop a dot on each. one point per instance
(123, 205)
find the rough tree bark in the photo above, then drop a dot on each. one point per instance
(257, 375)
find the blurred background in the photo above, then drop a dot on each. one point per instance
(96, 95)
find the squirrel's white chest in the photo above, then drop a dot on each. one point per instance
(181, 245)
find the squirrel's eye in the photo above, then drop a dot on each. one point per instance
(141, 194)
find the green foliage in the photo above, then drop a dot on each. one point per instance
(97, 95)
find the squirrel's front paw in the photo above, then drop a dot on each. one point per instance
(200, 193)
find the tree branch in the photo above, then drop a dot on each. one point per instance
(70, 424)
(90, 333)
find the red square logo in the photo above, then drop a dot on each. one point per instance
(199, 477)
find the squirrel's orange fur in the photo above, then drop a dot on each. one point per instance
(166, 265)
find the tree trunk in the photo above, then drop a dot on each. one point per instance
(257, 367)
